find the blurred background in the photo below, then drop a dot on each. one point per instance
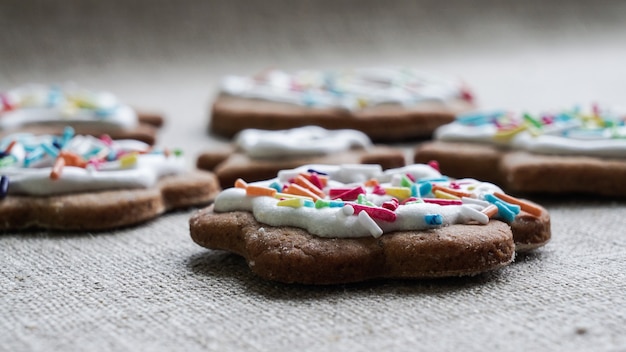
(168, 55)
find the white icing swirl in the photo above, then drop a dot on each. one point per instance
(63, 105)
(350, 89)
(338, 221)
(303, 141)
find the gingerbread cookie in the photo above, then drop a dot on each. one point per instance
(568, 152)
(323, 224)
(78, 182)
(42, 109)
(386, 104)
(259, 154)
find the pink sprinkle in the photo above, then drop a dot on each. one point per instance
(316, 181)
(411, 177)
(596, 109)
(106, 139)
(285, 186)
(378, 189)
(6, 105)
(375, 212)
(454, 185)
(434, 164)
(346, 194)
(410, 199)
(443, 201)
(391, 205)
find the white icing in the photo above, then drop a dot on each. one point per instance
(338, 222)
(303, 141)
(570, 136)
(350, 89)
(36, 180)
(64, 105)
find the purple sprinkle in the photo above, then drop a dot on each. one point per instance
(4, 186)
(317, 172)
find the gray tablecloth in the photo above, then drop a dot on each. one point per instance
(150, 288)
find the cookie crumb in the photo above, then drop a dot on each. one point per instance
(581, 331)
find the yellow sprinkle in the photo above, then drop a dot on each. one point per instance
(398, 192)
(291, 196)
(362, 102)
(128, 160)
(292, 202)
(508, 134)
(444, 195)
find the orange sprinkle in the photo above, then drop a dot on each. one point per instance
(302, 181)
(455, 192)
(72, 159)
(372, 183)
(301, 191)
(526, 206)
(490, 210)
(9, 147)
(323, 179)
(255, 191)
(57, 168)
(239, 183)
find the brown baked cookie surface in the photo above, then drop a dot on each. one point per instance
(382, 233)
(291, 255)
(386, 104)
(108, 209)
(48, 109)
(259, 154)
(522, 172)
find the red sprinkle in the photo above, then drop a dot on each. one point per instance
(375, 212)
(410, 199)
(378, 189)
(441, 201)
(434, 164)
(391, 205)
(346, 193)
(410, 177)
(315, 180)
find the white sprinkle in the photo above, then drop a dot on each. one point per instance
(369, 224)
(474, 214)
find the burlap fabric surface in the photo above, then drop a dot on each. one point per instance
(150, 288)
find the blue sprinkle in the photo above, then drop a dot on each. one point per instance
(308, 100)
(51, 150)
(433, 179)
(433, 219)
(4, 186)
(54, 96)
(504, 212)
(425, 188)
(275, 185)
(415, 191)
(68, 133)
(34, 156)
(311, 171)
(112, 155)
(514, 208)
(336, 204)
(479, 118)
(2, 155)
(309, 203)
(105, 112)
